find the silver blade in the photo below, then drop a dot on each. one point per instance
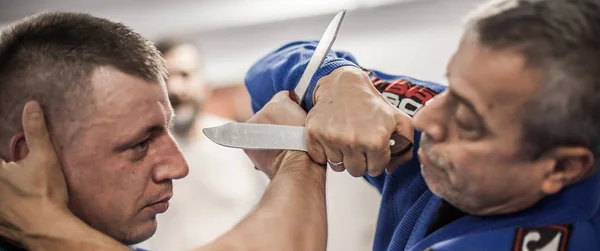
(258, 136)
(319, 55)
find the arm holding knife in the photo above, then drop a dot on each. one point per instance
(290, 216)
(350, 117)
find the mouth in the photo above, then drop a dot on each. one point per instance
(161, 205)
(429, 166)
(423, 158)
(425, 161)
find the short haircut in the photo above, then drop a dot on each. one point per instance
(49, 57)
(561, 39)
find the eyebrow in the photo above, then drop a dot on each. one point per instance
(148, 130)
(131, 141)
(464, 101)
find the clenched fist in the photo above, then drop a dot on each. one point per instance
(351, 124)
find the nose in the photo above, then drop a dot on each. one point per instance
(173, 165)
(431, 118)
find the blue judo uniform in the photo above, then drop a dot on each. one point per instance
(411, 218)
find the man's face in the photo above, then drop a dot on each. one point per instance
(471, 149)
(187, 90)
(122, 159)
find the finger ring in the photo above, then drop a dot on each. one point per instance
(335, 164)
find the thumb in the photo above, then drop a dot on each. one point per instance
(36, 132)
(282, 95)
(404, 125)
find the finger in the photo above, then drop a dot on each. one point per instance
(378, 152)
(391, 167)
(404, 126)
(36, 132)
(314, 147)
(355, 162)
(3, 163)
(282, 95)
(339, 168)
(335, 156)
(396, 162)
(377, 160)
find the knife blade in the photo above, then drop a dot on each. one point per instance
(258, 136)
(316, 60)
(275, 137)
(271, 137)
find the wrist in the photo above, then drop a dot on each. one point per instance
(46, 225)
(295, 160)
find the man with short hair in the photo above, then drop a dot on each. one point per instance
(222, 185)
(101, 87)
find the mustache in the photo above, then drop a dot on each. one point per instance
(427, 145)
(166, 192)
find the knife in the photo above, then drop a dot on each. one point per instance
(277, 137)
(316, 60)
(271, 137)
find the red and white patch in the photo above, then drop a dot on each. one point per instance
(550, 238)
(403, 94)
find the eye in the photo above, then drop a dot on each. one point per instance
(142, 146)
(462, 124)
(467, 128)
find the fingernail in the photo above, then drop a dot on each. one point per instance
(33, 109)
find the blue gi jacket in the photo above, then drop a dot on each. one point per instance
(569, 220)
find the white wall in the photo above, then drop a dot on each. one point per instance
(414, 38)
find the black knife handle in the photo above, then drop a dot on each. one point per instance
(399, 145)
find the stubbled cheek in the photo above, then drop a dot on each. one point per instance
(463, 169)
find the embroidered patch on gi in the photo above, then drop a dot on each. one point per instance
(403, 94)
(550, 238)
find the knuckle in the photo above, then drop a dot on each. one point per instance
(313, 130)
(377, 143)
(335, 137)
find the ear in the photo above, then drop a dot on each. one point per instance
(570, 165)
(18, 147)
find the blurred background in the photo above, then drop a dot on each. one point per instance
(413, 37)
(410, 37)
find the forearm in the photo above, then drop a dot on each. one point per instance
(290, 216)
(281, 70)
(60, 230)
